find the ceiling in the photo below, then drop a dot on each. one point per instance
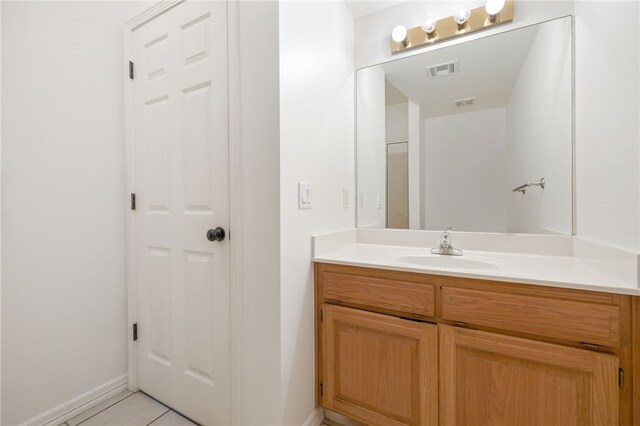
(487, 70)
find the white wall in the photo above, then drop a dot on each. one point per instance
(607, 112)
(370, 141)
(256, 354)
(63, 178)
(0, 218)
(539, 141)
(63, 287)
(316, 146)
(396, 119)
(415, 143)
(466, 171)
(423, 173)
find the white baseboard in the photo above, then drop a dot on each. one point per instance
(315, 418)
(77, 405)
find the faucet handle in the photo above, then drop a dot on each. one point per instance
(445, 239)
(446, 246)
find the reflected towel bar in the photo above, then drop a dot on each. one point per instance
(523, 188)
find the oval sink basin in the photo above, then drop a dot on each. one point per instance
(459, 262)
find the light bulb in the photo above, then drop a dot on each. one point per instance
(493, 7)
(399, 35)
(429, 27)
(462, 17)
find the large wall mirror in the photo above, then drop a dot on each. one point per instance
(477, 136)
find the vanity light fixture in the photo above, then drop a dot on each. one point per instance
(493, 8)
(399, 35)
(429, 27)
(462, 18)
(462, 23)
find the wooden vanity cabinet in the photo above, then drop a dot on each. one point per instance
(400, 348)
(378, 368)
(487, 379)
(595, 321)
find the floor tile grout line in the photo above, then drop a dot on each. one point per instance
(105, 408)
(167, 407)
(158, 417)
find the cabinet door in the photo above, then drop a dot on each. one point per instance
(490, 379)
(379, 369)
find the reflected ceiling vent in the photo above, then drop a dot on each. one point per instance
(442, 70)
(464, 102)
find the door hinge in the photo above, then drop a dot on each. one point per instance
(133, 201)
(621, 377)
(131, 70)
(135, 332)
(320, 315)
(321, 389)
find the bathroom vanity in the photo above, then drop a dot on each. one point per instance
(401, 347)
(522, 329)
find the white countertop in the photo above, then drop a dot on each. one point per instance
(527, 268)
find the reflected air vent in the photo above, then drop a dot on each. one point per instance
(442, 70)
(464, 102)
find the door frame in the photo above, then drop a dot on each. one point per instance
(235, 196)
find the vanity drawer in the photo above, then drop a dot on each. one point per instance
(415, 299)
(562, 319)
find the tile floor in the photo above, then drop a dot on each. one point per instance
(132, 409)
(129, 409)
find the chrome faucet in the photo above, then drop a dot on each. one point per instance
(446, 246)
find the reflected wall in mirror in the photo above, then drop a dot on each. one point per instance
(444, 137)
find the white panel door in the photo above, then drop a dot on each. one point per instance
(182, 188)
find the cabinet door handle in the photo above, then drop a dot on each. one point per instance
(590, 345)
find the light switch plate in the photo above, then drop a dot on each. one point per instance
(345, 198)
(379, 200)
(304, 195)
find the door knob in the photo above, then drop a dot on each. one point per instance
(217, 234)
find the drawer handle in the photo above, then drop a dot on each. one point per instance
(335, 301)
(461, 324)
(590, 345)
